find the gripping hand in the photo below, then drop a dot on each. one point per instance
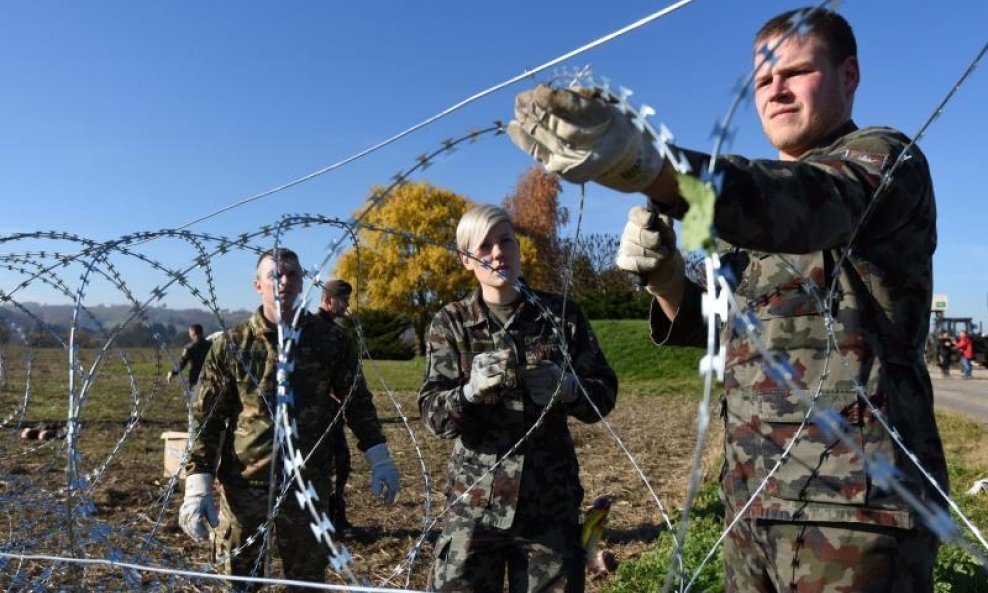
(542, 378)
(197, 509)
(648, 249)
(583, 137)
(490, 373)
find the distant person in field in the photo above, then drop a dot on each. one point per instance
(333, 308)
(234, 410)
(945, 351)
(494, 364)
(193, 355)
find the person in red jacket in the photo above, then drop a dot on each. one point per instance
(965, 346)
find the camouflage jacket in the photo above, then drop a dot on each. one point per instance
(237, 397)
(192, 356)
(540, 480)
(780, 215)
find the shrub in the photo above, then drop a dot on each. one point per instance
(383, 333)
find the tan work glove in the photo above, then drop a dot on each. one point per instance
(581, 136)
(490, 373)
(648, 248)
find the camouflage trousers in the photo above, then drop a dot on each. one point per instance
(763, 556)
(242, 510)
(544, 558)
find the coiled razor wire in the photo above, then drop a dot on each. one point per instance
(83, 533)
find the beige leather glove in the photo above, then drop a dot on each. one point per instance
(581, 136)
(490, 373)
(648, 248)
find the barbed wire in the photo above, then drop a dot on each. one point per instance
(81, 528)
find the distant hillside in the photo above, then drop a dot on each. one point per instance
(170, 323)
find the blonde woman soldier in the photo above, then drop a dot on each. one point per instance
(495, 362)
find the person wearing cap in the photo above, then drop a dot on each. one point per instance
(333, 307)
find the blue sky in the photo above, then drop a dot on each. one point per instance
(121, 116)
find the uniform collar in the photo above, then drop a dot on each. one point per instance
(479, 313)
(261, 326)
(843, 130)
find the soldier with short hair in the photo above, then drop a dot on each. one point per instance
(333, 307)
(193, 354)
(832, 209)
(494, 364)
(234, 423)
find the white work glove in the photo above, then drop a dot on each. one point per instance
(583, 137)
(542, 378)
(489, 374)
(168, 378)
(197, 508)
(648, 248)
(384, 473)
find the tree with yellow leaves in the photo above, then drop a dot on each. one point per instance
(407, 268)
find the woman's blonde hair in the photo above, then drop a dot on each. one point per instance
(476, 223)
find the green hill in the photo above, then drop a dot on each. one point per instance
(641, 366)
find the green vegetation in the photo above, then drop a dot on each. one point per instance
(643, 367)
(399, 375)
(956, 571)
(649, 572)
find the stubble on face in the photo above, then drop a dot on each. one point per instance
(801, 96)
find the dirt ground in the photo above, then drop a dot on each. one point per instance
(659, 432)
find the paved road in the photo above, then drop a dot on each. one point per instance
(969, 398)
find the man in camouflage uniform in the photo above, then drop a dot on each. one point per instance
(821, 523)
(192, 355)
(234, 428)
(494, 364)
(333, 307)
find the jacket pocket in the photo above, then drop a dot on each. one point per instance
(822, 466)
(471, 481)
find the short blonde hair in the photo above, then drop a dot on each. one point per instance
(476, 223)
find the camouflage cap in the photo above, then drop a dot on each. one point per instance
(337, 288)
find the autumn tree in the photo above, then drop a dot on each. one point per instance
(406, 268)
(537, 216)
